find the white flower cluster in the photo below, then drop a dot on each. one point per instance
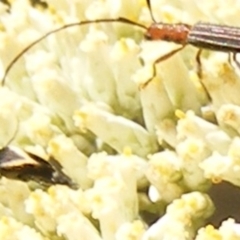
(139, 153)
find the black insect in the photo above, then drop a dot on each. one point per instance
(18, 164)
(26, 167)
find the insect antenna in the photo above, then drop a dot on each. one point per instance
(150, 11)
(81, 23)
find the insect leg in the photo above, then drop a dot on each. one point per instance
(199, 64)
(160, 59)
(199, 72)
(230, 59)
(235, 60)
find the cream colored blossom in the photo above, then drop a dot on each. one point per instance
(141, 152)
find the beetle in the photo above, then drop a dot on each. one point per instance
(201, 35)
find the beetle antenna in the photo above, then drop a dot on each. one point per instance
(19, 55)
(150, 10)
